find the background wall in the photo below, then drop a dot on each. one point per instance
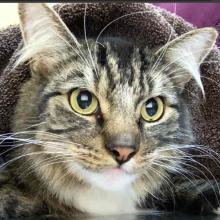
(199, 14)
(9, 14)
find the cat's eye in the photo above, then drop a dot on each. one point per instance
(83, 102)
(152, 110)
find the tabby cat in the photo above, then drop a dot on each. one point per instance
(100, 128)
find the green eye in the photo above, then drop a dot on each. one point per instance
(83, 102)
(152, 109)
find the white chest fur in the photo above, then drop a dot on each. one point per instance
(109, 193)
(100, 202)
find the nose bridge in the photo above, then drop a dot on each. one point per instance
(121, 133)
(124, 140)
(122, 129)
(122, 137)
(121, 122)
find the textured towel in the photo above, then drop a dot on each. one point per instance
(152, 28)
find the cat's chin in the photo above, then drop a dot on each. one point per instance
(112, 179)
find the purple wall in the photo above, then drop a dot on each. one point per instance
(199, 14)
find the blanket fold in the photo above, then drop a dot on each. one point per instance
(143, 23)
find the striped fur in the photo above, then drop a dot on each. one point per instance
(59, 156)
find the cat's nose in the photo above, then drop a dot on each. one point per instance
(123, 147)
(122, 154)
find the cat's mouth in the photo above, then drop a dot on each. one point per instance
(115, 172)
(110, 179)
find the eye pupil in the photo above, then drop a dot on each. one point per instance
(152, 110)
(83, 102)
(84, 99)
(151, 107)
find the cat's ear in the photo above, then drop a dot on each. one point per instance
(46, 37)
(187, 52)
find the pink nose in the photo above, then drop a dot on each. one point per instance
(123, 154)
(123, 146)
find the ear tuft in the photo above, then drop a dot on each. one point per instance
(189, 51)
(46, 37)
(31, 16)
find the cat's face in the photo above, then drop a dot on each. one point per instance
(108, 114)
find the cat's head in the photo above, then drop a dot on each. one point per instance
(107, 114)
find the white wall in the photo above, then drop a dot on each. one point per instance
(9, 14)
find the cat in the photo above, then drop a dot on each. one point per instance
(99, 128)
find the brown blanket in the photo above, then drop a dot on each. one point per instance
(151, 27)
